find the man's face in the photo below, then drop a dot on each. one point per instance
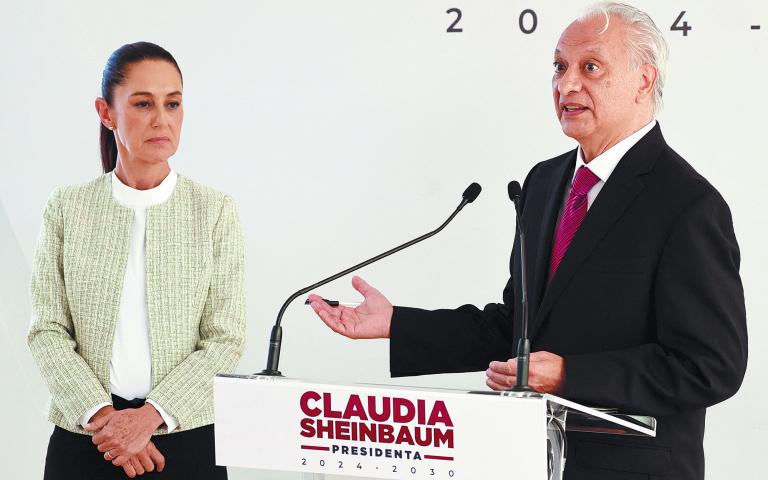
(595, 87)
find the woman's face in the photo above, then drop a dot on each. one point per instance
(146, 112)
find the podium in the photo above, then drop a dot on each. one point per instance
(385, 431)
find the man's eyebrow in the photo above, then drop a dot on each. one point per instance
(596, 50)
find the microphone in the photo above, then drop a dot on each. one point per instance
(515, 192)
(523, 344)
(276, 337)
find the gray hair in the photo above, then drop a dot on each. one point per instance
(646, 42)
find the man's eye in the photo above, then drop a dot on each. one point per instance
(559, 67)
(591, 67)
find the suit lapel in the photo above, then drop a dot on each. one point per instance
(615, 197)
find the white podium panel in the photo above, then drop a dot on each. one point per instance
(377, 431)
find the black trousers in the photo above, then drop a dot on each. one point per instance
(189, 455)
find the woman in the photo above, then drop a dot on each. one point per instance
(137, 292)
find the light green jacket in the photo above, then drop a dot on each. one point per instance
(195, 297)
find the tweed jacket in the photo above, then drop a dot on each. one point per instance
(195, 297)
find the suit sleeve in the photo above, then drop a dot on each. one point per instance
(448, 341)
(700, 355)
(464, 339)
(187, 388)
(51, 337)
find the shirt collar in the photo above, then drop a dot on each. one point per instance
(131, 197)
(604, 164)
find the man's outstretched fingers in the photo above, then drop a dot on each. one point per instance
(362, 286)
(333, 321)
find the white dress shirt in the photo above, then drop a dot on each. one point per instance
(130, 369)
(604, 164)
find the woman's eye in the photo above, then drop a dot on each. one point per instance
(174, 105)
(591, 67)
(142, 104)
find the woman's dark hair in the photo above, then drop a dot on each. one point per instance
(114, 74)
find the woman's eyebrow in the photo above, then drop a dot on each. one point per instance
(150, 94)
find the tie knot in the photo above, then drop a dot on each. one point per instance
(584, 181)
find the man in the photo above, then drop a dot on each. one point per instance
(634, 290)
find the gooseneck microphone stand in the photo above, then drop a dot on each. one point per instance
(521, 387)
(276, 337)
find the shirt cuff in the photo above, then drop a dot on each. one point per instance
(170, 421)
(86, 417)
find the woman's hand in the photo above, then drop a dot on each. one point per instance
(147, 460)
(105, 410)
(122, 434)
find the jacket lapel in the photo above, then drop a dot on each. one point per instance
(109, 233)
(617, 194)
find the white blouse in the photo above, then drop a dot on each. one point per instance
(130, 369)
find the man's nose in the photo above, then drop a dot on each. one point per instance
(569, 82)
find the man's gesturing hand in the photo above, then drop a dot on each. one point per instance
(371, 319)
(545, 375)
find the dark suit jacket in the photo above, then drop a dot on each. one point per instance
(647, 309)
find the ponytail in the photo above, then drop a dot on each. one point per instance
(108, 149)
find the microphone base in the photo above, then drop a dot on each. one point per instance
(522, 391)
(270, 373)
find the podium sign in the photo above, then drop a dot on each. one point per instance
(377, 431)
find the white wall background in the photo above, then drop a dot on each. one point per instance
(343, 128)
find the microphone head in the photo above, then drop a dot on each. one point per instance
(471, 193)
(514, 191)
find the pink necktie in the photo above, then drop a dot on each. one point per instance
(573, 215)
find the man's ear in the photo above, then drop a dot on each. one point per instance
(648, 77)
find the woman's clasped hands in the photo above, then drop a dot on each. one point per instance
(124, 437)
